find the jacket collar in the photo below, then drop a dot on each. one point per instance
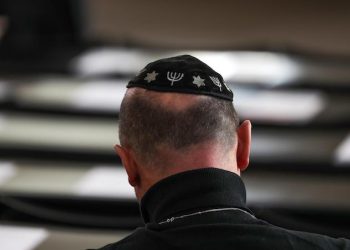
(193, 191)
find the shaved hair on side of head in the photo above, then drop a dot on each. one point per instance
(150, 121)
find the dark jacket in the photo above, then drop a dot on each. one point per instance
(205, 209)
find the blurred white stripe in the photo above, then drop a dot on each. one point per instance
(21, 238)
(342, 153)
(279, 106)
(7, 171)
(105, 181)
(99, 95)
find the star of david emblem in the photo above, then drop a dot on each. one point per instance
(151, 76)
(198, 81)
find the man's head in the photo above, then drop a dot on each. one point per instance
(183, 121)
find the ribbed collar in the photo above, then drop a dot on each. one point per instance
(193, 191)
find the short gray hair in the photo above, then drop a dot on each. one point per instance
(146, 126)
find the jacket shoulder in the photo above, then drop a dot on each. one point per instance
(318, 241)
(136, 240)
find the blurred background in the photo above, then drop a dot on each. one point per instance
(64, 65)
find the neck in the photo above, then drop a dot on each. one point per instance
(195, 157)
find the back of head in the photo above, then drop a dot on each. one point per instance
(160, 115)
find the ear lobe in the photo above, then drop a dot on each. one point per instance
(129, 165)
(244, 142)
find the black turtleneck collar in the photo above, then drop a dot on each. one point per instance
(193, 191)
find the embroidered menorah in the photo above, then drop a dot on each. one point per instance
(216, 81)
(174, 77)
(226, 86)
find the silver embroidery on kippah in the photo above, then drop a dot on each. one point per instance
(183, 74)
(198, 81)
(216, 81)
(151, 76)
(174, 77)
(226, 86)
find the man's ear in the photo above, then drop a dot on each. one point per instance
(243, 147)
(129, 164)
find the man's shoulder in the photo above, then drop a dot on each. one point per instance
(258, 236)
(122, 244)
(136, 240)
(277, 237)
(317, 241)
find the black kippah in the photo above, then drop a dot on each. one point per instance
(184, 74)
